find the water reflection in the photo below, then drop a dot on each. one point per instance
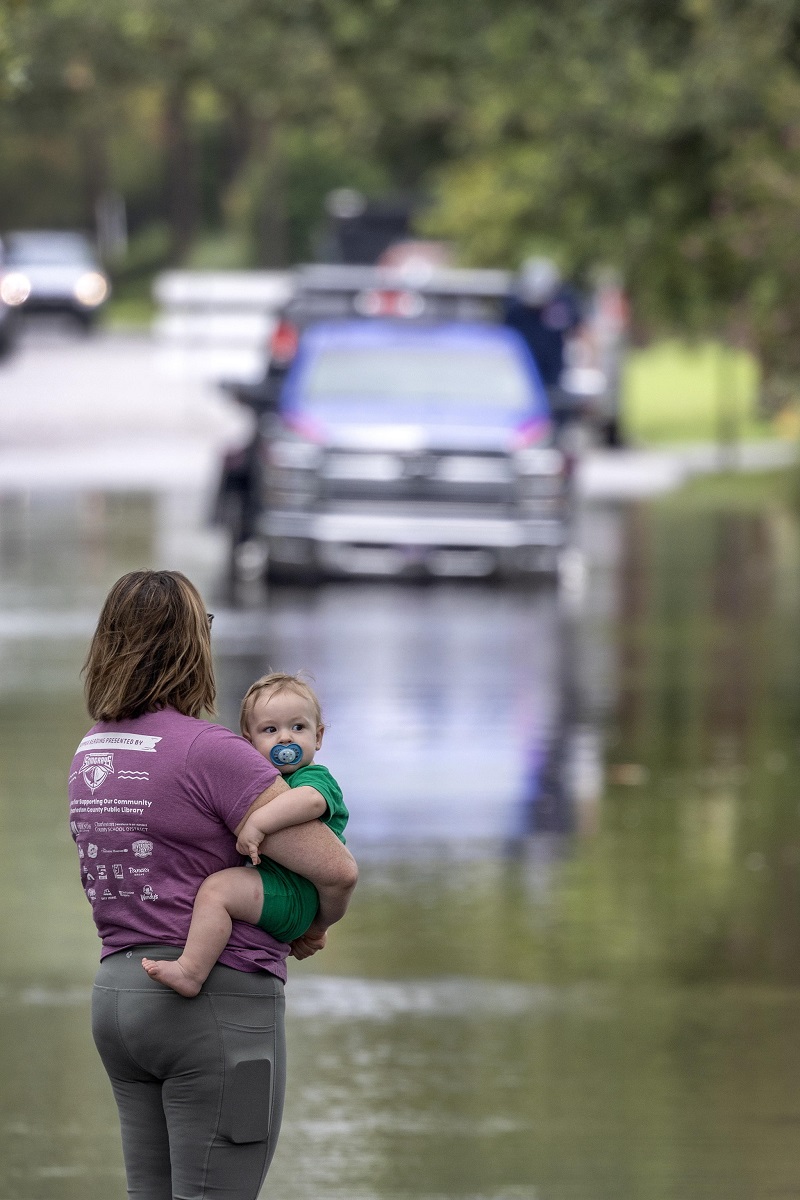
(450, 711)
(570, 970)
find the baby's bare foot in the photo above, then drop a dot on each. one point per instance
(173, 974)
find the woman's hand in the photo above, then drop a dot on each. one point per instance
(308, 944)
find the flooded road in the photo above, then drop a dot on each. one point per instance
(571, 968)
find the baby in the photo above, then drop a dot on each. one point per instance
(281, 716)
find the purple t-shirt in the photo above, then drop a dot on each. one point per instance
(153, 802)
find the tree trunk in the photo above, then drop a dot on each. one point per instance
(181, 171)
(94, 162)
(271, 234)
(239, 139)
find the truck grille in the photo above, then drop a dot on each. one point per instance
(418, 477)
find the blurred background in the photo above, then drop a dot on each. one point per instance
(453, 350)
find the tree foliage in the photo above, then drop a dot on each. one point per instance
(662, 139)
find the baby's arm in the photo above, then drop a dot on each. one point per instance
(292, 807)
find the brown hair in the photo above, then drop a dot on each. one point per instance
(151, 649)
(277, 682)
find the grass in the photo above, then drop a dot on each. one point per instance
(132, 306)
(736, 492)
(675, 393)
(220, 252)
(129, 313)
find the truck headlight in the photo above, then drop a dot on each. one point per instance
(291, 477)
(542, 460)
(294, 454)
(541, 482)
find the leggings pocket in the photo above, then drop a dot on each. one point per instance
(248, 1063)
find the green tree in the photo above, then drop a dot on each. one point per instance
(660, 139)
(663, 140)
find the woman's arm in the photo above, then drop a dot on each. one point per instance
(293, 807)
(312, 850)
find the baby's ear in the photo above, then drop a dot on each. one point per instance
(320, 733)
(246, 736)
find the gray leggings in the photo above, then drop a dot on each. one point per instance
(199, 1083)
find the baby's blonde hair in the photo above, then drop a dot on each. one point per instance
(275, 683)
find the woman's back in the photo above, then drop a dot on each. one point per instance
(153, 802)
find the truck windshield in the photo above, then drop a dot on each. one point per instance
(491, 377)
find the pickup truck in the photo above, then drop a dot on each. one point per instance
(409, 449)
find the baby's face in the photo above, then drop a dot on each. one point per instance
(278, 719)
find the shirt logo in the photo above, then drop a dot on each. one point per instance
(142, 848)
(96, 769)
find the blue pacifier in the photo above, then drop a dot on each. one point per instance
(286, 756)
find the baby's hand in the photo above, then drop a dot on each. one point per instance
(248, 842)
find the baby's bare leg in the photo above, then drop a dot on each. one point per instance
(235, 894)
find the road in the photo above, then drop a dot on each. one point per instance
(96, 412)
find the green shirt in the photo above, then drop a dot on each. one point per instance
(319, 777)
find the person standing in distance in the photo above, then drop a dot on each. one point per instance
(545, 311)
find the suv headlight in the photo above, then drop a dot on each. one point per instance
(91, 289)
(15, 288)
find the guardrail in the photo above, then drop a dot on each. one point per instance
(216, 325)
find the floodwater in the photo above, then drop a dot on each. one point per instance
(571, 969)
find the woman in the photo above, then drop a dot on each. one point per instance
(157, 798)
